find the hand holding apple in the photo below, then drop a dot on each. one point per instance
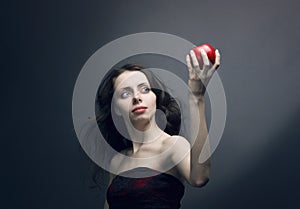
(210, 51)
(202, 62)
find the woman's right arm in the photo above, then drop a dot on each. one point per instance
(111, 177)
(105, 205)
(114, 164)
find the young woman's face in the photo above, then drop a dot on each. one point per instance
(133, 97)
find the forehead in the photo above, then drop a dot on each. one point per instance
(130, 79)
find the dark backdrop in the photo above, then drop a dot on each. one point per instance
(44, 45)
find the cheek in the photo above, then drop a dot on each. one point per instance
(121, 106)
(153, 99)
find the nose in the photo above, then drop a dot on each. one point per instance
(136, 99)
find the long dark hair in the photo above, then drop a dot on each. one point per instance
(167, 104)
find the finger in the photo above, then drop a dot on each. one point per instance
(188, 62)
(194, 60)
(192, 74)
(206, 63)
(216, 65)
(217, 60)
(204, 57)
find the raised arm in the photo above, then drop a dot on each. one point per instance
(195, 167)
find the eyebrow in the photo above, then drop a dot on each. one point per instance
(141, 84)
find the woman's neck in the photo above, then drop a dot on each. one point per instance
(143, 136)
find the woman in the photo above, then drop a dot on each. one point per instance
(156, 161)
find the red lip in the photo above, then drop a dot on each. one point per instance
(139, 108)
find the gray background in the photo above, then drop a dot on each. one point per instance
(44, 44)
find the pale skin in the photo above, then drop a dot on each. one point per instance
(136, 103)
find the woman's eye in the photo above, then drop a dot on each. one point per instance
(145, 89)
(125, 94)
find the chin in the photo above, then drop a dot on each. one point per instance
(142, 119)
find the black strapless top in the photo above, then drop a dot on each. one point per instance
(158, 191)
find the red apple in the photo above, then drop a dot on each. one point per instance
(210, 51)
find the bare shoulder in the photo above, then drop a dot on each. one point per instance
(177, 143)
(117, 160)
